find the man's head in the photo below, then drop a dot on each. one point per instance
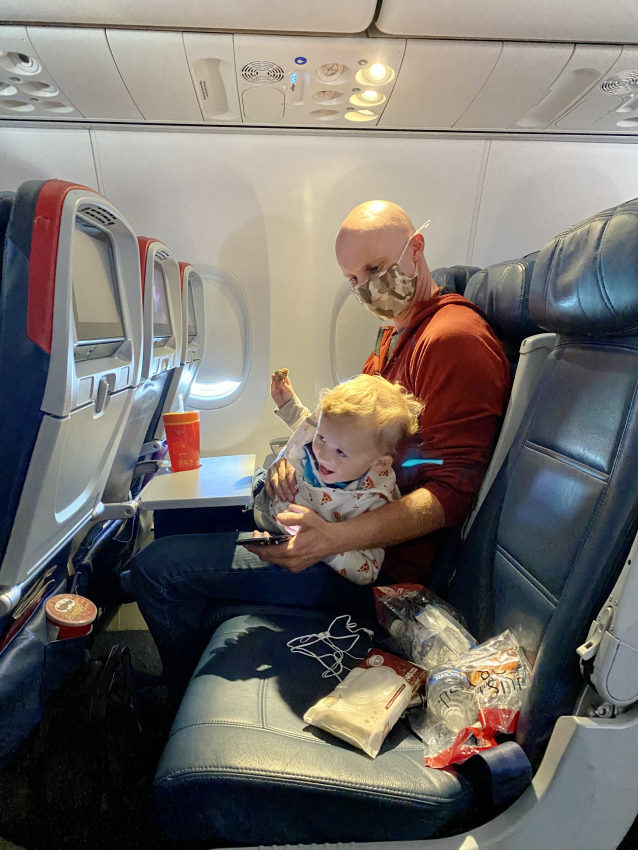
(361, 422)
(371, 240)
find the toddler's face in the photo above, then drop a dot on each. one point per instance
(346, 448)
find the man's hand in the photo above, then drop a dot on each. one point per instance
(281, 481)
(280, 387)
(310, 544)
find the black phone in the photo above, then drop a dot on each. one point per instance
(272, 540)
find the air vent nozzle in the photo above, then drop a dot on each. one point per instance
(622, 83)
(261, 72)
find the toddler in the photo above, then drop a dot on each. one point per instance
(342, 456)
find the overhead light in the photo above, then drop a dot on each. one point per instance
(377, 71)
(361, 115)
(368, 98)
(366, 112)
(376, 75)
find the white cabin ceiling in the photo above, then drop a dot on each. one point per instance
(119, 72)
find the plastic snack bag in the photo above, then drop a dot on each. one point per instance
(472, 701)
(365, 706)
(425, 628)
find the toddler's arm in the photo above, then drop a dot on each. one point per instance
(289, 407)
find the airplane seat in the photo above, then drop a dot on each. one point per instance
(6, 203)
(541, 558)
(454, 279)
(161, 355)
(70, 352)
(502, 293)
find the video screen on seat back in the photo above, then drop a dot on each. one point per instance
(161, 319)
(96, 305)
(192, 319)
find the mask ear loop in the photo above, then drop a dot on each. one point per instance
(337, 653)
(423, 226)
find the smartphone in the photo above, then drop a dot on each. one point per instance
(247, 537)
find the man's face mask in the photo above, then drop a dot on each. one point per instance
(388, 293)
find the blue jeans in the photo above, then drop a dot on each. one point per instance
(179, 582)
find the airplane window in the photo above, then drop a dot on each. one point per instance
(353, 336)
(224, 365)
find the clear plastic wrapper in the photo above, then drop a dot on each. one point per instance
(472, 701)
(426, 629)
(365, 706)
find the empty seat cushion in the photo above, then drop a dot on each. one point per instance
(502, 293)
(242, 765)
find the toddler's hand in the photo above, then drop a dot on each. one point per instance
(280, 387)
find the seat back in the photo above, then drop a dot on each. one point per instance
(502, 291)
(70, 357)
(555, 527)
(454, 278)
(161, 355)
(193, 336)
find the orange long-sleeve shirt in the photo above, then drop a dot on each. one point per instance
(450, 359)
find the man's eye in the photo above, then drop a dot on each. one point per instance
(341, 454)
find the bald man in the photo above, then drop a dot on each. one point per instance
(439, 348)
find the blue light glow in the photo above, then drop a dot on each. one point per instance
(293, 78)
(418, 462)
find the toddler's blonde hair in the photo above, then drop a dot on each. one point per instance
(389, 407)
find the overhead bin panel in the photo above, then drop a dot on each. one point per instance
(316, 81)
(438, 81)
(328, 16)
(27, 88)
(154, 68)
(535, 20)
(83, 65)
(521, 77)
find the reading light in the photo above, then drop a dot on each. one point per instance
(376, 75)
(368, 98)
(366, 112)
(377, 71)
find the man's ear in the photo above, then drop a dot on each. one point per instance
(383, 463)
(416, 246)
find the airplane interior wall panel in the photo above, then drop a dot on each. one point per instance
(265, 210)
(329, 16)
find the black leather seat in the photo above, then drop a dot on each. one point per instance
(502, 293)
(454, 278)
(540, 559)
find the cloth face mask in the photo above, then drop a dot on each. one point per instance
(388, 293)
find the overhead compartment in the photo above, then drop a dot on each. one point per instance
(83, 65)
(328, 16)
(27, 88)
(155, 70)
(317, 82)
(535, 20)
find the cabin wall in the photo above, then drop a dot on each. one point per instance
(266, 208)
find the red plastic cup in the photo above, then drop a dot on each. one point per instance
(182, 438)
(69, 616)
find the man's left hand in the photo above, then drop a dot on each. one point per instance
(310, 544)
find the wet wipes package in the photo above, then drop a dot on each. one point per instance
(365, 706)
(427, 630)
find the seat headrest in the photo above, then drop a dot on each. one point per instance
(454, 279)
(586, 279)
(502, 293)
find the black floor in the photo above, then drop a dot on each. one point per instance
(52, 797)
